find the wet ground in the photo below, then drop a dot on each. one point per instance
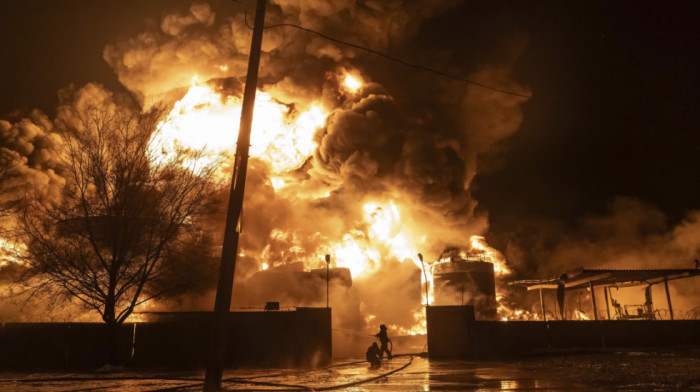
(629, 370)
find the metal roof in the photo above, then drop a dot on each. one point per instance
(582, 277)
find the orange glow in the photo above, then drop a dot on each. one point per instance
(10, 252)
(277, 182)
(283, 137)
(382, 221)
(508, 313)
(352, 83)
(420, 326)
(352, 255)
(579, 315)
(205, 120)
(481, 250)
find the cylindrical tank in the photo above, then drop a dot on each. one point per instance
(464, 282)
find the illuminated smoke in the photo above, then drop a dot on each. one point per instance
(351, 156)
(28, 161)
(343, 163)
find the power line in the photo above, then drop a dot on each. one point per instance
(386, 56)
(402, 62)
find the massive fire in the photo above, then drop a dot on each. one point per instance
(206, 120)
(283, 137)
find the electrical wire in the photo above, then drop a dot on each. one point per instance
(600, 112)
(354, 332)
(385, 55)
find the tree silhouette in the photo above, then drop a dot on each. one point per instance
(125, 206)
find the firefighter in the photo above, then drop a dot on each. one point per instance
(372, 356)
(383, 339)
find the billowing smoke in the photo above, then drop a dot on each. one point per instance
(28, 162)
(401, 147)
(630, 234)
(29, 169)
(406, 140)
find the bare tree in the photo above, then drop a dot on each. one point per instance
(6, 165)
(123, 209)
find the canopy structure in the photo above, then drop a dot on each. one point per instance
(581, 278)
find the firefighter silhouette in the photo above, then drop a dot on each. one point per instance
(384, 340)
(372, 356)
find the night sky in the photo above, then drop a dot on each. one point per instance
(614, 112)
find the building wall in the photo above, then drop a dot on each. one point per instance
(286, 338)
(453, 333)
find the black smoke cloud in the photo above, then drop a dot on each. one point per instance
(406, 135)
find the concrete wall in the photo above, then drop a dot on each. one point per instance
(453, 333)
(448, 330)
(293, 338)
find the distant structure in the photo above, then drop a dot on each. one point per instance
(291, 284)
(604, 280)
(461, 281)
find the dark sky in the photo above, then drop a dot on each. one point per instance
(615, 114)
(615, 109)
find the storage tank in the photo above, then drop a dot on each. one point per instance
(459, 281)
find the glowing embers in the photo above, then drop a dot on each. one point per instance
(205, 120)
(508, 310)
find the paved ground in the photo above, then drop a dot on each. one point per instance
(658, 370)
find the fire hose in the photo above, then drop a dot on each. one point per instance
(236, 380)
(232, 380)
(297, 387)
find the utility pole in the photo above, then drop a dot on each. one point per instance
(427, 299)
(219, 322)
(328, 267)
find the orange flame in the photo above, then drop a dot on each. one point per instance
(481, 250)
(205, 120)
(352, 83)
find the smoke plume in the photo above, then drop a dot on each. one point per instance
(403, 147)
(405, 137)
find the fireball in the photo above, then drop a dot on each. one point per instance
(352, 83)
(204, 120)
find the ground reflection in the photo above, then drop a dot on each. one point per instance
(404, 373)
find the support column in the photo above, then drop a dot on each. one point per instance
(668, 298)
(595, 308)
(218, 338)
(544, 315)
(607, 305)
